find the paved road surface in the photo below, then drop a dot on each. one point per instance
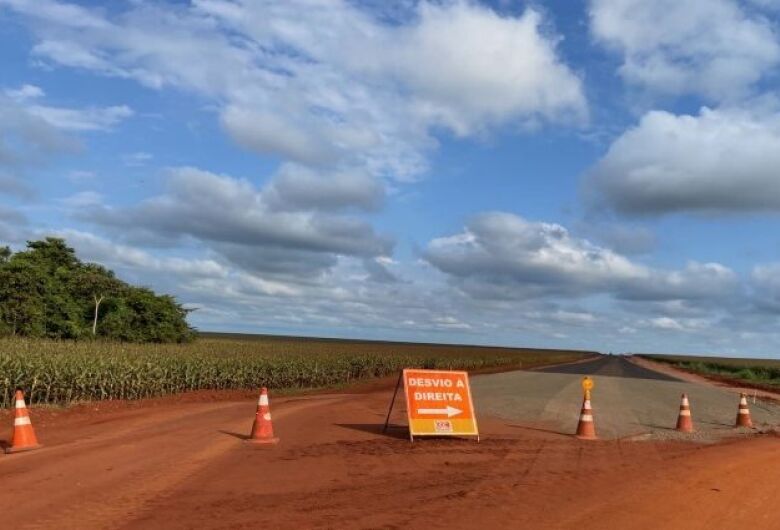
(610, 365)
(628, 400)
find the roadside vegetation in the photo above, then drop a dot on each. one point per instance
(47, 292)
(752, 371)
(63, 372)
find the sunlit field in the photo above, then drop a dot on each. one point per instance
(63, 372)
(761, 371)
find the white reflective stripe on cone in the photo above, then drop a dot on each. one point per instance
(20, 404)
(586, 417)
(25, 420)
(685, 413)
(744, 411)
(263, 400)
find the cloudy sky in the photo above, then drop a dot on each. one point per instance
(599, 174)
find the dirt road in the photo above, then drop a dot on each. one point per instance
(185, 465)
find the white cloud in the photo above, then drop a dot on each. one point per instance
(24, 92)
(666, 323)
(85, 119)
(328, 83)
(95, 248)
(83, 199)
(137, 159)
(722, 160)
(765, 283)
(280, 229)
(716, 48)
(299, 188)
(503, 256)
(26, 142)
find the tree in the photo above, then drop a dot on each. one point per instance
(96, 283)
(46, 291)
(21, 299)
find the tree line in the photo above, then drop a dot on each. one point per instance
(47, 292)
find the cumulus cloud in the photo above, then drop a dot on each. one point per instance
(14, 225)
(503, 256)
(721, 160)
(765, 283)
(24, 92)
(83, 119)
(297, 187)
(716, 48)
(83, 199)
(327, 83)
(26, 141)
(31, 134)
(278, 228)
(95, 248)
(623, 238)
(86, 119)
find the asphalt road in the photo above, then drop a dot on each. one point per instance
(629, 401)
(609, 365)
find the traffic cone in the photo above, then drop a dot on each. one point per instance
(586, 429)
(23, 437)
(743, 413)
(684, 421)
(262, 428)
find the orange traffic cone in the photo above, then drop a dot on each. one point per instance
(684, 421)
(263, 429)
(23, 437)
(743, 413)
(586, 429)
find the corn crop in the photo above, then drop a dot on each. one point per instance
(52, 372)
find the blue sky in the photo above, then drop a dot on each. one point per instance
(597, 174)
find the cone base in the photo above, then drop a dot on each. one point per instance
(263, 441)
(586, 437)
(11, 450)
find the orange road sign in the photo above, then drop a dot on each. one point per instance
(438, 403)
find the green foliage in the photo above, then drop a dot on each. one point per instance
(62, 372)
(47, 292)
(765, 371)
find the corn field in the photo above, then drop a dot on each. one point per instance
(53, 372)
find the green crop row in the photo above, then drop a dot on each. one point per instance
(764, 371)
(54, 372)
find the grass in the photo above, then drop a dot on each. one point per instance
(753, 371)
(63, 372)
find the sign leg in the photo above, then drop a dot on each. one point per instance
(392, 402)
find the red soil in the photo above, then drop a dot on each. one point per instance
(182, 463)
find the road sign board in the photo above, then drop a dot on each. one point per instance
(438, 403)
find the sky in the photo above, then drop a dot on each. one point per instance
(596, 174)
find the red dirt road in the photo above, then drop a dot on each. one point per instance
(171, 465)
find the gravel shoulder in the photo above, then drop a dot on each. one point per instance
(629, 401)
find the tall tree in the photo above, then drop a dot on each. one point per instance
(46, 291)
(96, 283)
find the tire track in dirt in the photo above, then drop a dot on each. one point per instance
(167, 454)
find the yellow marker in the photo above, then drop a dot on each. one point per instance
(587, 384)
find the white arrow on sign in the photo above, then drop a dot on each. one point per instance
(449, 411)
